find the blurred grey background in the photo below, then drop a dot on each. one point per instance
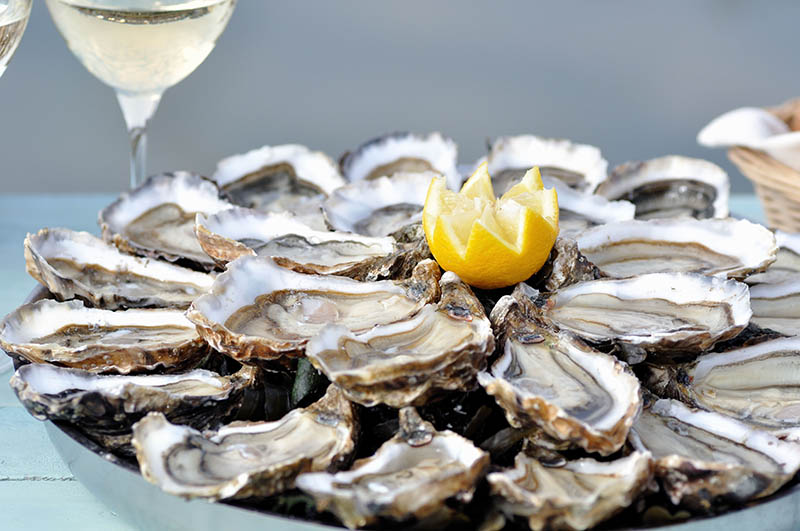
(636, 78)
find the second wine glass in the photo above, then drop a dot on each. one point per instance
(140, 48)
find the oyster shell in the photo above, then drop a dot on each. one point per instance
(756, 384)
(565, 266)
(777, 306)
(720, 247)
(668, 314)
(282, 178)
(787, 263)
(577, 211)
(407, 363)
(409, 477)
(157, 218)
(378, 207)
(76, 264)
(579, 166)
(246, 459)
(258, 310)
(671, 186)
(393, 153)
(705, 459)
(106, 407)
(578, 495)
(556, 382)
(97, 340)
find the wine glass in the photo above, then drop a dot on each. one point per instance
(140, 48)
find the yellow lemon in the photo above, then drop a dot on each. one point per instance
(489, 242)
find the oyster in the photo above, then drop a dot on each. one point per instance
(668, 314)
(76, 264)
(787, 264)
(671, 186)
(394, 153)
(579, 166)
(565, 266)
(409, 477)
(756, 384)
(293, 244)
(775, 306)
(408, 362)
(246, 459)
(97, 340)
(705, 459)
(577, 495)
(378, 207)
(259, 310)
(106, 407)
(720, 247)
(157, 218)
(577, 211)
(280, 178)
(556, 382)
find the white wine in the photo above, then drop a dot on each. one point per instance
(13, 19)
(141, 47)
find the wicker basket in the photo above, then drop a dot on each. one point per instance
(776, 184)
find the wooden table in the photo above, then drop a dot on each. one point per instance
(37, 490)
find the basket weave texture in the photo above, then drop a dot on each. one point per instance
(776, 184)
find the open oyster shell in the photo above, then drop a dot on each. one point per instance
(106, 407)
(666, 314)
(408, 362)
(554, 381)
(720, 247)
(578, 495)
(157, 218)
(577, 211)
(409, 477)
(777, 306)
(246, 459)
(579, 166)
(671, 186)
(76, 264)
(394, 153)
(379, 207)
(258, 310)
(705, 459)
(787, 263)
(72, 335)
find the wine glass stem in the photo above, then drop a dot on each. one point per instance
(137, 110)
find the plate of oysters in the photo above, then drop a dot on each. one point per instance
(277, 340)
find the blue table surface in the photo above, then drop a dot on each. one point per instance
(37, 489)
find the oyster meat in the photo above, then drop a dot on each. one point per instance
(106, 407)
(574, 393)
(577, 495)
(720, 247)
(157, 218)
(671, 186)
(777, 306)
(259, 310)
(787, 263)
(394, 153)
(246, 459)
(409, 477)
(409, 362)
(97, 340)
(706, 460)
(76, 264)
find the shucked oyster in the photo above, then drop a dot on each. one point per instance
(670, 186)
(394, 153)
(705, 459)
(291, 243)
(259, 310)
(106, 407)
(97, 340)
(246, 459)
(777, 306)
(409, 477)
(577, 495)
(379, 207)
(408, 362)
(556, 382)
(787, 264)
(720, 247)
(157, 218)
(76, 264)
